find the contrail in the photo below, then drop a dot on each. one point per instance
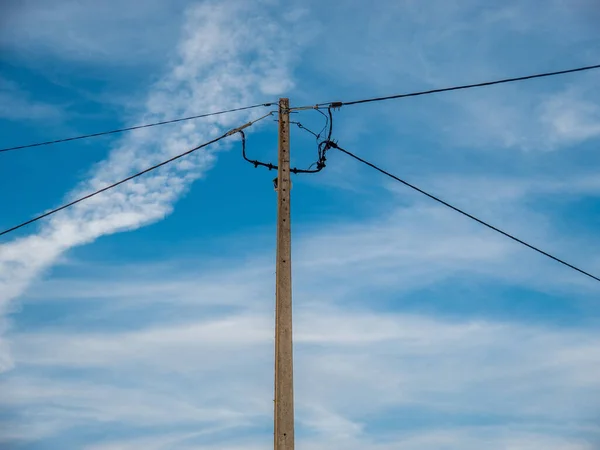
(211, 69)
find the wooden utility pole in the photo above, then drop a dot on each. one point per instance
(284, 376)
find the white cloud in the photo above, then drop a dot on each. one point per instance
(413, 46)
(205, 368)
(410, 248)
(495, 439)
(402, 249)
(354, 364)
(201, 367)
(572, 116)
(212, 68)
(162, 442)
(351, 368)
(525, 119)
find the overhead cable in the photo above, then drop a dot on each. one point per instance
(137, 127)
(470, 216)
(129, 178)
(447, 89)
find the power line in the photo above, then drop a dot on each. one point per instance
(510, 236)
(149, 169)
(447, 89)
(302, 127)
(137, 127)
(322, 147)
(317, 106)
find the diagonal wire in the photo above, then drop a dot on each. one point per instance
(137, 127)
(302, 127)
(453, 88)
(317, 106)
(129, 178)
(470, 216)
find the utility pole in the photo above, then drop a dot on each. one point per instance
(284, 376)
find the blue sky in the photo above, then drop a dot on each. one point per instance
(144, 317)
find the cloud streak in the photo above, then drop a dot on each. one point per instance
(223, 59)
(400, 340)
(353, 368)
(357, 365)
(16, 104)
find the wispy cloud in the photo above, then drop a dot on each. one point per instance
(354, 367)
(521, 118)
(414, 46)
(179, 358)
(572, 117)
(356, 364)
(223, 59)
(17, 104)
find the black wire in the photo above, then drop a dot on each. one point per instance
(106, 188)
(317, 137)
(137, 127)
(302, 127)
(149, 169)
(323, 146)
(455, 88)
(254, 162)
(334, 145)
(331, 104)
(324, 126)
(330, 124)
